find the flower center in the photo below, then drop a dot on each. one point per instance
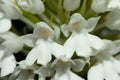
(45, 33)
(75, 27)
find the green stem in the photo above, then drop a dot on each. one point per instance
(83, 8)
(60, 11)
(26, 20)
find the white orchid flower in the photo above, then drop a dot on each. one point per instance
(80, 40)
(106, 66)
(63, 71)
(30, 71)
(113, 20)
(105, 5)
(9, 9)
(32, 6)
(7, 59)
(71, 5)
(44, 46)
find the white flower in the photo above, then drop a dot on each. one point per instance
(106, 67)
(105, 5)
(5, 24)
(7, 59)
(32, 6)
(9, 9)
(113, 20)
(44, 46)
(63, 71)
(71, 5)
(80, 40)
(29, 71)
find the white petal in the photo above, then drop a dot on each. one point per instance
(70, 46)
(65, 30)
(116, 49)
(113, 5)
(37, 5)
(44, 54)
(7, 65)
(95, 42)
(32, 6)
(77, 22)
(43, 71)
(92, 22)
(96, 69)
(79, 65)
(57, 50)
(116, 65)
(113, 20)
(10, 10)
(1, 53)
(82, 46)
(32, 56)
(8, 35)
(71, 5)
(73, 76)
(16, 43)
(43, 30)
(99, 5)
(57, 32)
(109, 72)
(5, 25)
(29, 40)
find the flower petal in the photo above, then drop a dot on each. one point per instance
(96, 69)
(73, 76)
(99, 6)
(109, 72)
(95, 42)
(1, 53)
(15, 46)
(65, 30)
(29, 40)
(43, 30)
(5, 25)
(57, 50)
(32, 56)
(82, 46)
(8, 35)
(70, 46)
(113, 5)
(79, 65)
(113, 20)
(116, 49)
(92, 22)
(7, 65)
(71, 5)
(44, 54)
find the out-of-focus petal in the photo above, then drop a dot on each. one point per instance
(5, 25)
(16, 43)
(71, 5)
(7, 65)
(96, 69)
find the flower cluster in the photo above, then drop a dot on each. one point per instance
(59, 39)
